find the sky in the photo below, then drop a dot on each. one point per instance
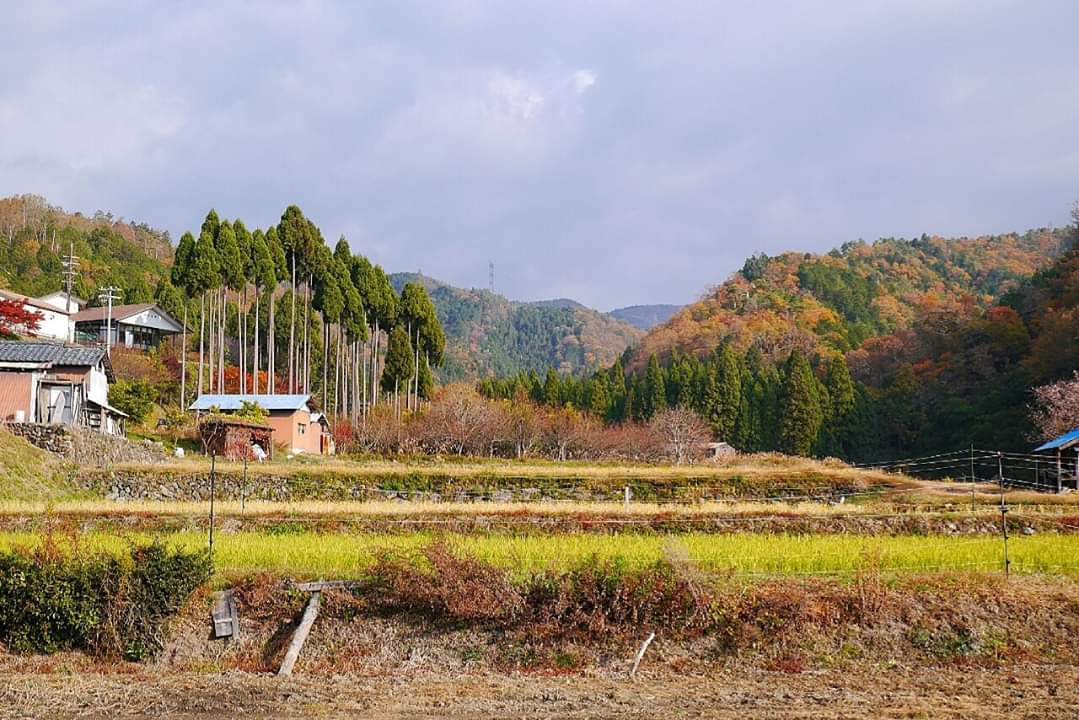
(615, 153)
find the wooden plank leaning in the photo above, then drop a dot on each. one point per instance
(300, 636)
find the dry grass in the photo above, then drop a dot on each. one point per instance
(420, 508)
(761, 465)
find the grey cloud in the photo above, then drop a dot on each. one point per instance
(616, 153)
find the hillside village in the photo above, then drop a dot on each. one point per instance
(539, 360)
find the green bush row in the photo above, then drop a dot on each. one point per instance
(109, 606)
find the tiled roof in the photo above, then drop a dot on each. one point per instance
(229, 403)
(119, 312)
(47, 352)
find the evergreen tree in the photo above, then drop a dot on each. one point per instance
(280, 265)
(617, 383)
(263, 277)
(655, 389)
(839, 391)
(800, 406)
(599, 395)
(552, 389)
(398, 368)
(728, 394)
(202, 276)
(182, 264)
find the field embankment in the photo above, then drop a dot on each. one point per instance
(341, 480)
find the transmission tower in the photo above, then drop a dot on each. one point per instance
(491, 275)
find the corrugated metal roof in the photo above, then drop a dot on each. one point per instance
(46, 352)
(230, 403)
(1065, 440)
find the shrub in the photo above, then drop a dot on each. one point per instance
(453, 587)
(134, 397)
(106, 605)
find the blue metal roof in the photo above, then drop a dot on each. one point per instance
(266, 402)
(1065, 440)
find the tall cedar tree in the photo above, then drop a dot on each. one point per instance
(655, 390)
(801, 414)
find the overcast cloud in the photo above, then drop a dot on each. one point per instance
(612, 152)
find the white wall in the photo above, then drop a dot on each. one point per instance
(55, 325)
(98, 391)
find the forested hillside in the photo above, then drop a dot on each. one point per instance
(645, 317)
(834, 302)
(873, 351)
(486, 334)
(112, 251)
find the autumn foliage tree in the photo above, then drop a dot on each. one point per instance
(1055, 410)
(16, 319)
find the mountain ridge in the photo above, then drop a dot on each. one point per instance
(490, 335)
(832, 302)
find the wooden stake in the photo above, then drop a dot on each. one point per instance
(300, 636)
(640, 654)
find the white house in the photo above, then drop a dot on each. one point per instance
(141, 326)
(55, 324)
(62, 301)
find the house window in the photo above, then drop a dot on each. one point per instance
(302, 428)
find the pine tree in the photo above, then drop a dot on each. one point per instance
(800, 407)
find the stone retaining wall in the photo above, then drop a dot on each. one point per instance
(87, 447)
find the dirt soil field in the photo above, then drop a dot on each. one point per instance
(1013, 692)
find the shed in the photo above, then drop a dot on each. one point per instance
(1067, 441)
(719, 450)
(294, 419)
(57, 383)
(234, 439)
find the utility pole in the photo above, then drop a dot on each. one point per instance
(71, 269)
(972, 478)
(1003, 514)
(107, 296)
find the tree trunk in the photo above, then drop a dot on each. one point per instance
(307, 335)
(222, 328)
(202, 337)
(255, 353)
(292, 332)
(183, 363)
(325, 365)
(337, 375)
(211, 339)
(271, 349)
(241, 320)
(416, 371)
